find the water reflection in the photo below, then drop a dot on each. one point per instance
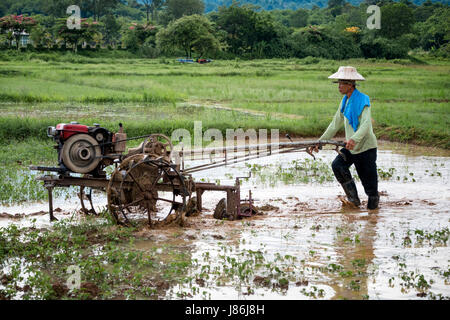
(354, 246)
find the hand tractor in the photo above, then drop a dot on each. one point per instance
(145, 176)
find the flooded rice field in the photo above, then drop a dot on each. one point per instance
(303, 244)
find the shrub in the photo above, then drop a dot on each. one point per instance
(379, 47)
(324, 43)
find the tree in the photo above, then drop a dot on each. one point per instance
(111, 29)
(435, 31)
(154, 7)
(408, 3)
(138, 34)
(57, 8)
(247, 29)
(318, 17)
(335, 3)
(325, 42)
(40, 37)
(151, 7)
(179, 8)
(191, 34)
(426, 10)
(373, 46)
(15, 25)
(335, 7)
(130, 9)
(74, 37)
(98, 8)
(239, 23)
(396, 19)
(147, 4)
(299, 18)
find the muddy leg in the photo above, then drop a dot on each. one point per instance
(341, 167)
(343, 175)
(366, 166)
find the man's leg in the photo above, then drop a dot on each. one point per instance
(366, 167)
(342, 173)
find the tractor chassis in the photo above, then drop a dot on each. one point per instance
(233, 197)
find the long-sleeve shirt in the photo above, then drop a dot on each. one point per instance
(363, 136)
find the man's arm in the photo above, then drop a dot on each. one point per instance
(332, 129)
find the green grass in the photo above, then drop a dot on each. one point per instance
(409, 100)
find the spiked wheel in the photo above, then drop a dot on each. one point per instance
(139, 183)
(158, 145)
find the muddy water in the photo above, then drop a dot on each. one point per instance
(323, 250)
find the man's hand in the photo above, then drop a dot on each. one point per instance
(350, 144)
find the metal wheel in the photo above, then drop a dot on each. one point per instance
(158, 145)
(139, 183)
(220, 212)
(247, 210)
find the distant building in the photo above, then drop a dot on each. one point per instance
(24, 40)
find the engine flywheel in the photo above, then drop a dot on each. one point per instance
(81, 153)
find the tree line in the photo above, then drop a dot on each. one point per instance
(153, 28)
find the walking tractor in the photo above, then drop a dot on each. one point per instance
(146, 175)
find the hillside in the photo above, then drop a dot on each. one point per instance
(211, 5)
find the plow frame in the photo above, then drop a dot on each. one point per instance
(233, 199)
(232, 203)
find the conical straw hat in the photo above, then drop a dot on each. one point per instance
(347, 73)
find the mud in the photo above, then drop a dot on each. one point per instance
(340, 253)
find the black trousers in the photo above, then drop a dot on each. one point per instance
(366, 167)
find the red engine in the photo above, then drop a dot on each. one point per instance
(68, 130)
(85, 149)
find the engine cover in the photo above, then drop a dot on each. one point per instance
(68, 130)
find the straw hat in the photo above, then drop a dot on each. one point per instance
(347, 73)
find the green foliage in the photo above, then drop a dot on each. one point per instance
(138, 36)
(243, 30)
(239, 23)
(42, 38)
(97, 8)
(379, 47)
(435, 31)
(325, 43)
(299, 18)
(110, 29)
(250, 33)
(396, 20)
(191, 34)
(88, 32)
(179, 8)
(15, 25)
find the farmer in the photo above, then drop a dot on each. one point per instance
(361, 143)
